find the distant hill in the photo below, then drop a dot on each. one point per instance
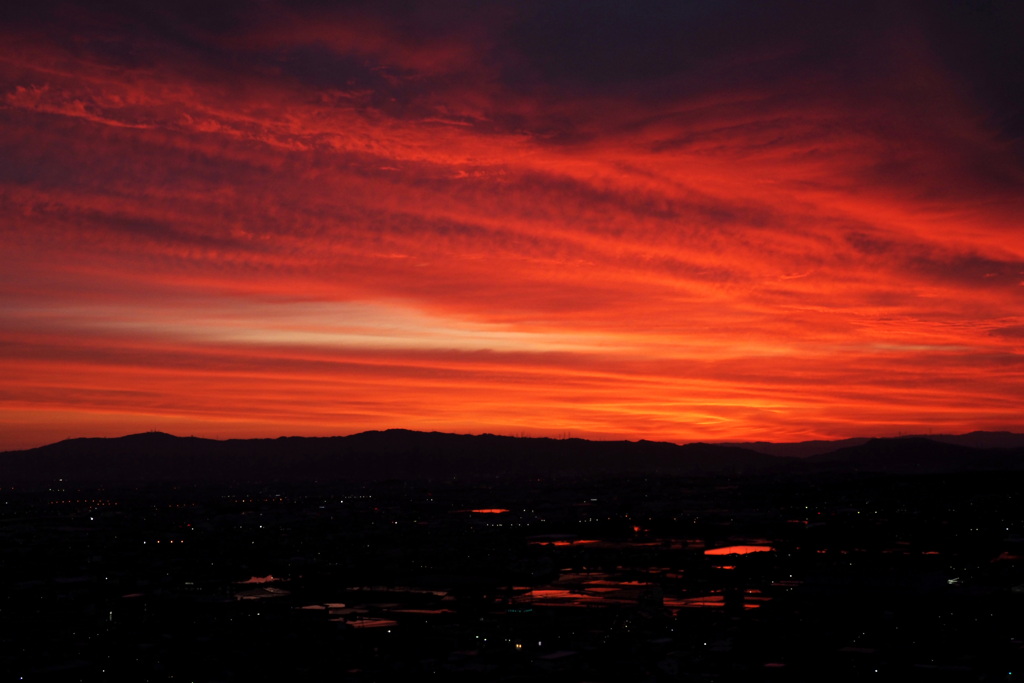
(916, 455)
(799, 449)
(979, 439)
(378, 455)
(806, 449)
(403, 454)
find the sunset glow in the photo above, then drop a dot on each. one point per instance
(739, 550)
(700, 221)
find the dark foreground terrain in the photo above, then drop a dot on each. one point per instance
(765, 577)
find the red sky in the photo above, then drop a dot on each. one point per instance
(675, 221)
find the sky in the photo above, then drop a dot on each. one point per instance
(696, 220)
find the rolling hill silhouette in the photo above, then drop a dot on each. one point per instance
(917, 455)
(806, 449)
(403, 454)
(377, 455)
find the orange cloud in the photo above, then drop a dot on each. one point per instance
(324, 223)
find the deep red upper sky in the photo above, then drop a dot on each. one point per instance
(667, 220)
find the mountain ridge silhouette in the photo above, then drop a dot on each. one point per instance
(407, 454)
